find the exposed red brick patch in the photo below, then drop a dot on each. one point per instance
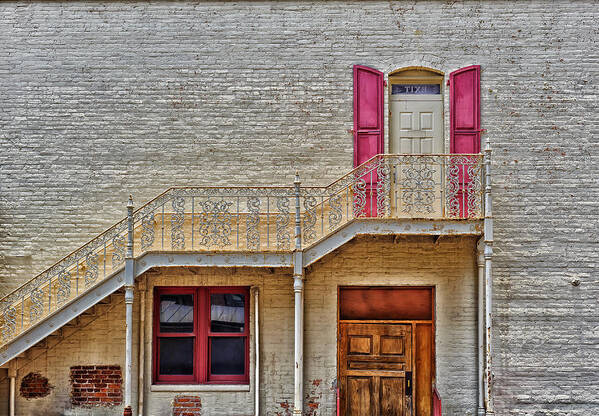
(34, 386)
(313, 398)
(96, 385)
(187, 406)
(127, 411)
(286, 409)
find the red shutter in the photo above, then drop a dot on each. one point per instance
(368, 126)
(464, 110)
(368, 113)
(464, 119)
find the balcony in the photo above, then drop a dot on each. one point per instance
(275, 221)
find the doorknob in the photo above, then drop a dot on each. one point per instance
(408, 383)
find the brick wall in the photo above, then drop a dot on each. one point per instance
(100, 100)
(96, 385)
(34, 386)
(184, 405)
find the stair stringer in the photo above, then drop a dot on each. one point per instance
(75, 327)
(61, 317)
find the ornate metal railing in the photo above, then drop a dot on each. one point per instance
(396, 186)
(255, 219)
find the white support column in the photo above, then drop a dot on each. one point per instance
(480, 261)
(257, 348)
(488, 254)
(142, 350)
(129, 282)
(128, 344)
(12, 376)
(298, 289)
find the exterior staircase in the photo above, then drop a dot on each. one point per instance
(79, 322)
(244, 226)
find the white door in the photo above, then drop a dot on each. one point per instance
(416, 123)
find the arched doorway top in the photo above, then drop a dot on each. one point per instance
(416, 72)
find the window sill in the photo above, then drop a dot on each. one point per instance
(200, 387)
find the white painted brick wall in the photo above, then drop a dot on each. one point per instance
(99, 100)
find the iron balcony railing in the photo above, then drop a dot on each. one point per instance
(255, 219)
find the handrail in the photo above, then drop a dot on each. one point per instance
(256, 219)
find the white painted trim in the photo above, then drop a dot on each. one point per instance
(200, 387)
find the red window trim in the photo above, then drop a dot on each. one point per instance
(202, 334)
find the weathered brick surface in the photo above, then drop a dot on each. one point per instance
(100, 100)
(34, 386)
(96, 385)
(185, 405)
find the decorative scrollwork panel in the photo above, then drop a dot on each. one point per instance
(91, 272)
(215, 223)
(177, 220)
(474, 199)
(418, 193)
(359, 190)
(252, 223)
(63, 291)
(37, 304)
(9, 328)
(147, 231)
(336, 212)
(383, 187)
(309, 219)
(282, 224)
(118, 253)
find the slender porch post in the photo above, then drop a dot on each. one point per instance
(12, 375)
(480, 261)
(129, 282)
(141, 363)
(488, 254)
(298, 289)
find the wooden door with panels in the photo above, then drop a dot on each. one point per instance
(376, 370)
(385, 351)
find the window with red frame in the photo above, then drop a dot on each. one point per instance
(201, 335)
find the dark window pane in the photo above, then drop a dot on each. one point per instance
(176, 313)
(227, 312)
(228, 355)
(176, 356)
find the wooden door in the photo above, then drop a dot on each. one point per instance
(375, 369)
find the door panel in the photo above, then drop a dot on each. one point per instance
(392, 396)
(373, 362)
(423, 352)
(361, 394)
